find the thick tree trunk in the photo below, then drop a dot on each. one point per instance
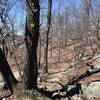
(6, 72)
(31, 40)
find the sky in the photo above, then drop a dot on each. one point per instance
(20, 14)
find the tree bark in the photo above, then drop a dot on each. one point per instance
(39, 62)
(47, 35)
(31, 41)
(6, 72)
(66, 29)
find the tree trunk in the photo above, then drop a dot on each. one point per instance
(47, 35)
(31, 40)
(51, 45)
(59, 41)
(66, 29)
(39, 62)
(6, 72)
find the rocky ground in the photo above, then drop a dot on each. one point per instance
(80, 83)
(64, 82)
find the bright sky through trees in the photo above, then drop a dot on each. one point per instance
(18, 11)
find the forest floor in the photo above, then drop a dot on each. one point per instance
(64, 70)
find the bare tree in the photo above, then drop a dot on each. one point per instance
(4, 32)
(6, 72)
(31, 40)
(66, 26)
(47, 35)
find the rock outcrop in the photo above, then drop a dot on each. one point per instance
(91, 91)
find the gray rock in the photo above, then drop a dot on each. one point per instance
(1, 84)
(75, 97)
(97, 57)
(91, 91)
(84, 87)
(17, 75)
(97, 66)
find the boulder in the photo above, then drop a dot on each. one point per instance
(97, 66)
(91, 90)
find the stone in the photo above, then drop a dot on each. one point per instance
(97, 57)
(2, 84)
(55, 94)
(75, 97)
(91, 91)
(17, 75)
(64, 98)
(84, 86)
(97, 66)
(4, 99)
